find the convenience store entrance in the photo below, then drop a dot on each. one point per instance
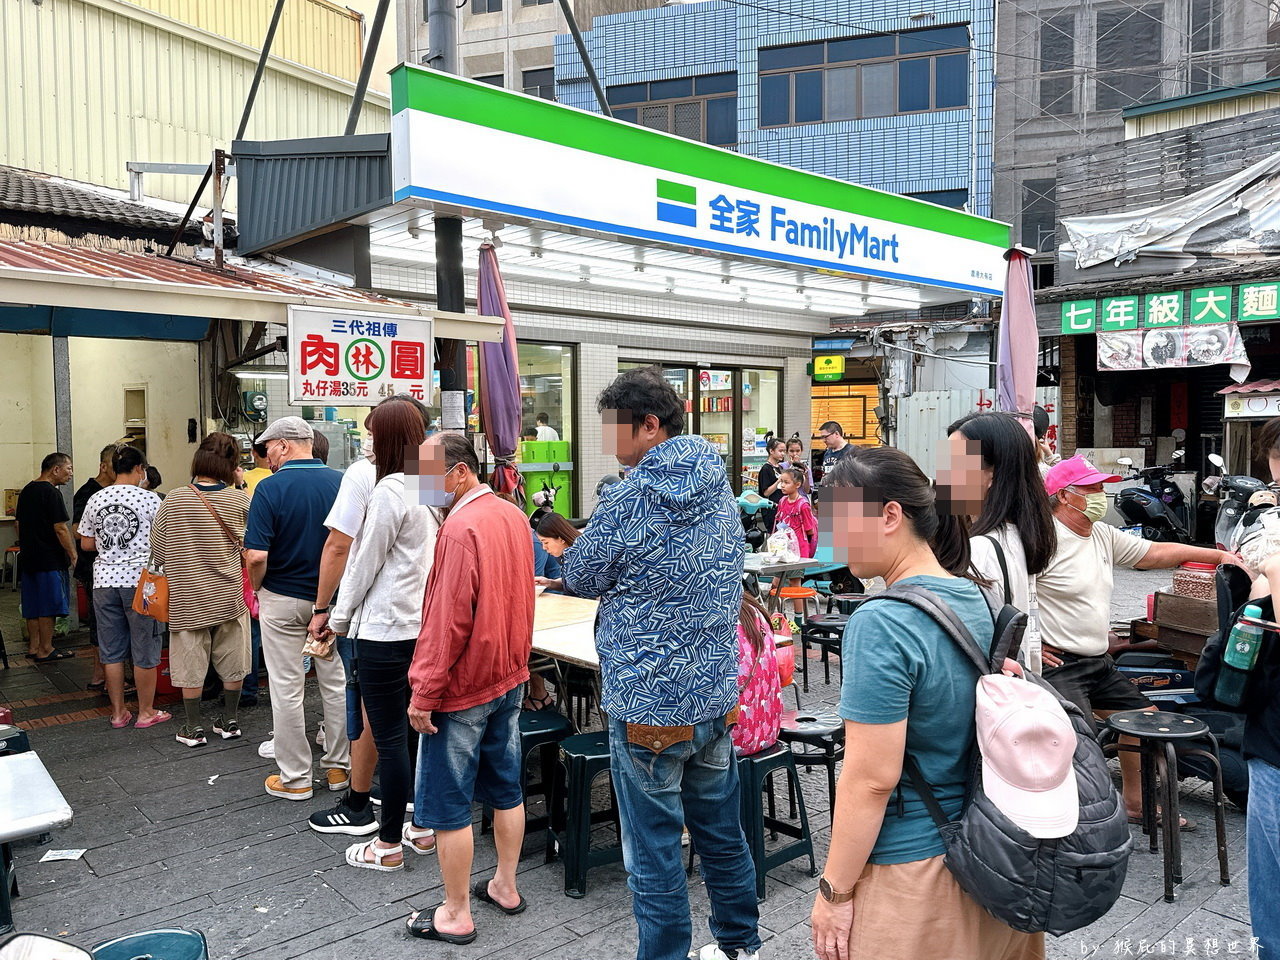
(734, 408)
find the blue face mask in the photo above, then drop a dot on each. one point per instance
(439, 496)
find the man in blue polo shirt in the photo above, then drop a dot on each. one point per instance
(283, 543)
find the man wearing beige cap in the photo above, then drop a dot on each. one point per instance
(283, 543)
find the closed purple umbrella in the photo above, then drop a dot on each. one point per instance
(500, 402)
(1019, 340)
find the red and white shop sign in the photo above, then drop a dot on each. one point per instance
(348, 358)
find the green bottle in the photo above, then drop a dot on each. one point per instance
(1238, 658)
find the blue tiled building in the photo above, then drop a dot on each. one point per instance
(889, 93)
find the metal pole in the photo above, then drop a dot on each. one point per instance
(62, 441)
(366, 68)
(586, 58)
(442, 24)
(219, 168)
(244, 121)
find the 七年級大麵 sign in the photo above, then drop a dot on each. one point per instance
(538, 161)
(348, 358)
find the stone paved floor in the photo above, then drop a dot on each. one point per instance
(183, 837)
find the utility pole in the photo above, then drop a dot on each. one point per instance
(451, 355)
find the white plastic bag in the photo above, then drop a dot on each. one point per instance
(783, 544)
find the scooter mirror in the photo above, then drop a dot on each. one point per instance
(1125, 461)
(1217, 461)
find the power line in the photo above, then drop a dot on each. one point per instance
(942, 45)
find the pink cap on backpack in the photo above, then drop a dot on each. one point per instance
(1028, 745)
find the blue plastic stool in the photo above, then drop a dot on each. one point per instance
(170, 944)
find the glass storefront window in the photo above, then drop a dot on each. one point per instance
(546, 388)
(761, 410)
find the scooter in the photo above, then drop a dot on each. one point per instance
(757, 518)
(1157, 511)
(1235, 496)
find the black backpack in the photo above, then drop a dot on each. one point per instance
(1032, 885)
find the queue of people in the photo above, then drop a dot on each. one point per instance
(410, 586)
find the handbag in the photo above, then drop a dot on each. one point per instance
(151, 598)
(246, 585)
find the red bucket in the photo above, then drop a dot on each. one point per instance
(164, 684)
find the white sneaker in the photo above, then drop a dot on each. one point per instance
(267, 749)
(320, 739)
(712, 951)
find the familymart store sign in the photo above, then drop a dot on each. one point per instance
(482, 149)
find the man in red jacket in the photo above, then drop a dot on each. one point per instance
(468, 675)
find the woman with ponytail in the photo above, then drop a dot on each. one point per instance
(907, 688)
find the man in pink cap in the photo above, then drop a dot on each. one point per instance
(1074, 595)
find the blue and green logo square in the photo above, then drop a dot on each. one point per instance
(677, 203)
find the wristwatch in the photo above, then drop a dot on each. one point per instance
(830, 895)
(316, 611)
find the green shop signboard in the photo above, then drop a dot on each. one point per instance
(1244, 303)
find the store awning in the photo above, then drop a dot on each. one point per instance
(1253, 386)
(94, 292)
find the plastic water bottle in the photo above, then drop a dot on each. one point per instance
(1238, 658)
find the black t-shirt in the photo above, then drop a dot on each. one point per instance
(40, 507)
(767, 477)
(84, 564)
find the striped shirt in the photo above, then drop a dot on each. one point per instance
(200, 561)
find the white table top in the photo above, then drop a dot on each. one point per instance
(755, 563)
(564, 629)
(30, 802)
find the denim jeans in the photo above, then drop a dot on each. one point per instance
(693, 784)
(1264, 855)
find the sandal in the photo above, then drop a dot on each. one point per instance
(421, 840)
(539, 703)
(358, 855)
(121, 722)
(481, 892)
(99, 687)
(56, 655)
(1185, 825)
(421, 925)
(160, 717)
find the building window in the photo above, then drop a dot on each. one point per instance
(533, 3)
(1129, 56)
(1057, 59)
(1040, 214)
(700, 108)
(540, 83)
(875, 76)
(493, 79)
(1206, 35)
(486, 6)
(944, 198)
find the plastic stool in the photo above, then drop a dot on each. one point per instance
(807, 595)
(540, 731)
(826, 632)
(584, 757)
(755, 773)
(1161, 738)
(815, 740)
(13, 740)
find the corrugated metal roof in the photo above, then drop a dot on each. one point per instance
(1256, 386)
(32, 192)
(1195, 99)
(126, 265)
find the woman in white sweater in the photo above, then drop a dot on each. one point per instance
(379, 605)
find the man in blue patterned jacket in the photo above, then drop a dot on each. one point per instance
(663, 552)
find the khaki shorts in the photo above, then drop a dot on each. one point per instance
(917, 911)
(226, 645)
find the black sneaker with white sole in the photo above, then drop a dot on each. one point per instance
(227, 729)
(341, 818)
(191, 738)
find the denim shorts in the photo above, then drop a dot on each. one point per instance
(44, 594)
(122, 634)
(473, 756)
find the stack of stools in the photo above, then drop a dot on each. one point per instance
(825, 631)
(1163, 737)
(755, 774)
(584, 757)
(815, 740)
(540, 731)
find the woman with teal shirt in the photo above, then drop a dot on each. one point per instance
(885, 892)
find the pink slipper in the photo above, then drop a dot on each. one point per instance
(122, 722)
(160, 717)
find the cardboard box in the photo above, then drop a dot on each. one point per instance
(1187, 614)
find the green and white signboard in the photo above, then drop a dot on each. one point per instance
(484, 150)
(1245, 303)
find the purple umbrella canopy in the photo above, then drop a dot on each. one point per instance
(1019, 340)
(500, 402)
